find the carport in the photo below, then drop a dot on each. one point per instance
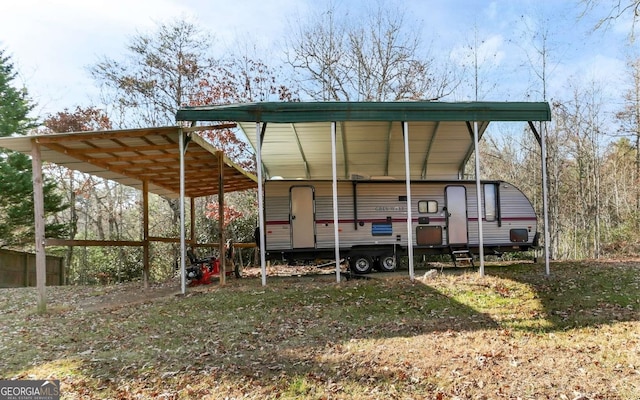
(173, 162)
(344, 140)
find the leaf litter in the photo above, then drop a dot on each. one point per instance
(511, 334)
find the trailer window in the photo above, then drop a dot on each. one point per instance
(427, 206)
(490, 202)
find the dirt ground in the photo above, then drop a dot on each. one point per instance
(133, 293)
(97, 298)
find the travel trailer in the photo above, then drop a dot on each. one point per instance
(299, 221)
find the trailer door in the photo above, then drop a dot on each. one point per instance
(456, 199)
(302, 218)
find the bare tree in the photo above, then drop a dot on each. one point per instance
(616, 9)
(74, 184)
(629, 119)
(580, 121)
(158, 74)
(477, 56)
(241, 78)
(378, 58)
(538, 51)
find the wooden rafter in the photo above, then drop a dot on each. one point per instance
(152, 156)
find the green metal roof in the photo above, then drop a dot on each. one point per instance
(296, 143)
(368, 111)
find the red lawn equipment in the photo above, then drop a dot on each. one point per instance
(202, 271)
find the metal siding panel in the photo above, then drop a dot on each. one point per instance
(513, 205)
(373, 194)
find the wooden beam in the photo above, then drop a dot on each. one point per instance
(211, 149)
(90, 243)
(192, 203)
(152, 165)
(120, 169)
(207, 245)
(163, 239)
(38, 208)
(108, 135)
(136, 158)
(245, 245)
(145, 234)
(121, 149)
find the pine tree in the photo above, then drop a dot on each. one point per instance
(16, 188)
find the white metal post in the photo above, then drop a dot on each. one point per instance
(405, 133)
(478, 197)
(261, 233)
(336, 228)
(545, 196)
(183, 249)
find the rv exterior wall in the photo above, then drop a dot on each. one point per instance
(380, 204)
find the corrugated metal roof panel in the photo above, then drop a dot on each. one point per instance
(371, 147)
(369, 137)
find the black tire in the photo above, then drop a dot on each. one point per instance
(236, 270)
(361, 264)
(387, 263)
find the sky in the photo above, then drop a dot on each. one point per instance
(53, 42)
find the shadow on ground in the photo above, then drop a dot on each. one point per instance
(302, 329)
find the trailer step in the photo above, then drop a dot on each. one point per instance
(461, 255)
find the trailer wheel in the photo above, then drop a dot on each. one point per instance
(388, 263)
(361, 264)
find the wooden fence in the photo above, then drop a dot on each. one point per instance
(18, 269)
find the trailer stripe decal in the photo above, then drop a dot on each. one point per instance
(399, 220)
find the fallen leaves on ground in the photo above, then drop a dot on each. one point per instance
(511, 334)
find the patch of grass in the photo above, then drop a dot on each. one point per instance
(297, 387)
(513, 333)
(66, 367)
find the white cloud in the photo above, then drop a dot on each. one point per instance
(492, 10)
(593, 71)
(52, 42)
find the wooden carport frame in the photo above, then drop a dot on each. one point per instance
(168, 161)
